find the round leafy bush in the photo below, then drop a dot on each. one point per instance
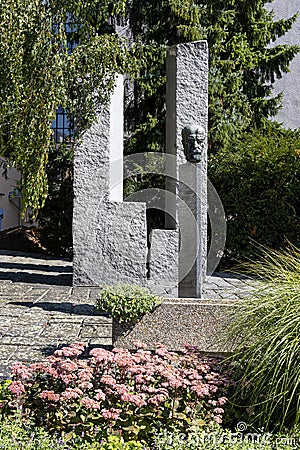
(130, 393)
(127, 302)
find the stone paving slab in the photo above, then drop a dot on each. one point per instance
(40, 311)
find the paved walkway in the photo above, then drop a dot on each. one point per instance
(41, 311)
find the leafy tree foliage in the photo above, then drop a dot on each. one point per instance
(242, 64)
(38, 72)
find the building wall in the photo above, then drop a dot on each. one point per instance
(289, 84)
(11, 216)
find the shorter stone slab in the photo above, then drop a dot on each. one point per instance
(204, 324)
(163, 255)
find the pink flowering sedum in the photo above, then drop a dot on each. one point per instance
(101, 355)
(139, 344)
(50, 396)
(71, 394)
(116, 390)
(16, 387)
(218, 410)
(100, 395)
(75, 349)
(90, 403)
(218, 419)
(111, 414)
(20, 371)
(222, 400)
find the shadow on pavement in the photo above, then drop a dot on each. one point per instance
(34, 278)
(83, 309)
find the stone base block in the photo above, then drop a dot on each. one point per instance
(112, 246)
(184, 321)
(167, 288)
(163, 255)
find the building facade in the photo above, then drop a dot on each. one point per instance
(10, 200)
(289, 84)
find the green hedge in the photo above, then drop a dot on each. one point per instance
(127, 302)
(257, 179)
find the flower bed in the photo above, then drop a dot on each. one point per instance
(129, 393)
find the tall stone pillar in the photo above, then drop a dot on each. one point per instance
(187, 120)
(109, 236)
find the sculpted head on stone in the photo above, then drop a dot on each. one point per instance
(193, 137)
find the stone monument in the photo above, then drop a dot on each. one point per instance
(187, 118)
(110, 235)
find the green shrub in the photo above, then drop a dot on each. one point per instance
(257, 179)
(127, 302)
(15, 435)
(268, 324)
(116, 443)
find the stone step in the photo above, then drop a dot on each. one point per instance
(176, 322)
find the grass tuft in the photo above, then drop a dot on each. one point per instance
(268, 325)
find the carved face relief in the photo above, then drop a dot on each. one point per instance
(193, 137)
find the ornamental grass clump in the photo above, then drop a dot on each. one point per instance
(269, 351)
(132, 393)
(127, 303)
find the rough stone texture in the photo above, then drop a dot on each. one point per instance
(114, 247)
(163, 255)
(289, 84)
(109, 238)
(187, 103)
(186, 321)
(191, 90)
(192, 263)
